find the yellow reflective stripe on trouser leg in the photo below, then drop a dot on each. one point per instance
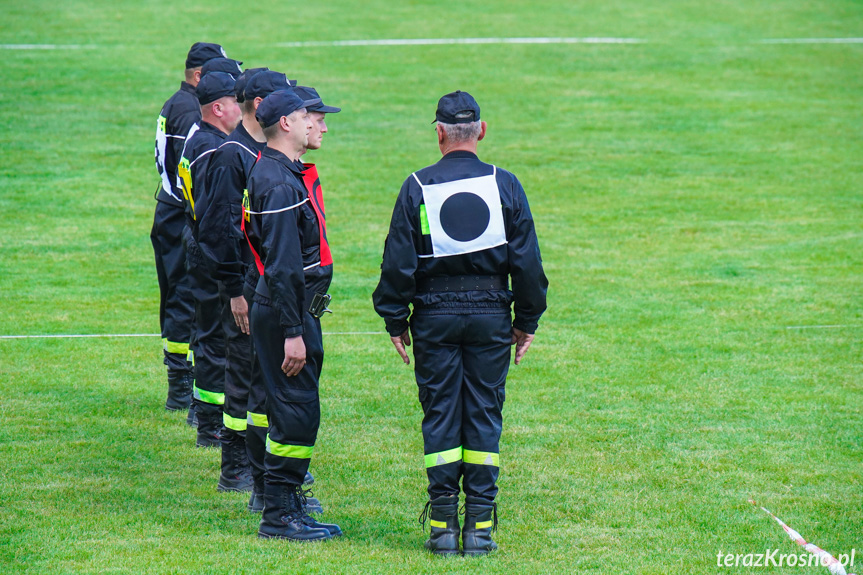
(257, 419)
(209, 396)
(190, 357)
(295, 451)
(175, 346)
(234, 423)
(443, 457)
(481, 458)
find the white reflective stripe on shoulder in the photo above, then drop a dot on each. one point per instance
(278, 211)
(241, 145)
(201, 156)
(417, 179)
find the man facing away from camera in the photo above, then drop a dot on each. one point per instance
(461, 230)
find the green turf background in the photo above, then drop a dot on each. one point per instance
(698, 201)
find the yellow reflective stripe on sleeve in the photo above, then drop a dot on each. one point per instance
(209, 396)
(257, 419)
(481, 458)
(234, 423)
(483, 524)
(438, 524)
(424, 220)
(176, 347)
(246, 206)
(162, 124)
(443, 457)
(185, 177)
(295, 451)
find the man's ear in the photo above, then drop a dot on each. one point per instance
(197, 76)
(441, 134)
(482, 130)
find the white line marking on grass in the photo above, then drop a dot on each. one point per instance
(813, 41)
(447, 41)
(47, 46)
(818, 326)
(65, 336)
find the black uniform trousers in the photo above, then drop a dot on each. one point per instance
(293, 405)
(256, 407)
(176, 307)
(461, 362)
(238, 373)
(208, 337)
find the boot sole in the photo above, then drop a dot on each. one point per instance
(222, 489)
(262, 535)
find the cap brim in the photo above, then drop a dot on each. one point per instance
(311, 103)
(325, 109)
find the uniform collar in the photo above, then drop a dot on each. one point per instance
(205, 127)
(242, 135)
(186, 87)
(460, 154)
(295, 166)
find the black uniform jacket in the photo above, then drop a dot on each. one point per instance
(178, 115)
(287, 239)
(219, 230)
(193, 167)
(403, 267)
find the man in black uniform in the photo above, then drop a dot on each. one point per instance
(176, 310)
(460, 229)
(285, 322)
(221, 235)
(220, 115)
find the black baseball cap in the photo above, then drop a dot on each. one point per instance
(227, 65)
(309, 93)
(244, 78)
(281, 103)
(265, 83)
(457, 108)
(201, 52)
(213, 86)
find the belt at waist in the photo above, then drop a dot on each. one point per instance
(438, 284)
(263, 291)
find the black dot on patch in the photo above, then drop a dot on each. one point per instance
(464, 216)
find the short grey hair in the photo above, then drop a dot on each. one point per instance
(462, 132)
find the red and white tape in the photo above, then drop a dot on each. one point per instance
(825, 558)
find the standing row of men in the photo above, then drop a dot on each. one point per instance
(210, 136)
(461, 230)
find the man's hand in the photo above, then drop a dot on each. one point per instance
(522, 342)
(295, 356)
(400, 342)
(240, 309)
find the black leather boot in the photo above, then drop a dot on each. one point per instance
(305, 498)
(179, 390)
(284, 518)
(256, 500)
(443, 518)
(209, 424)
(480, 519)
(236, 474)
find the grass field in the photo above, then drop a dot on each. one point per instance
(698, 202)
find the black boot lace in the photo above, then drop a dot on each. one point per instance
(425, 515)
